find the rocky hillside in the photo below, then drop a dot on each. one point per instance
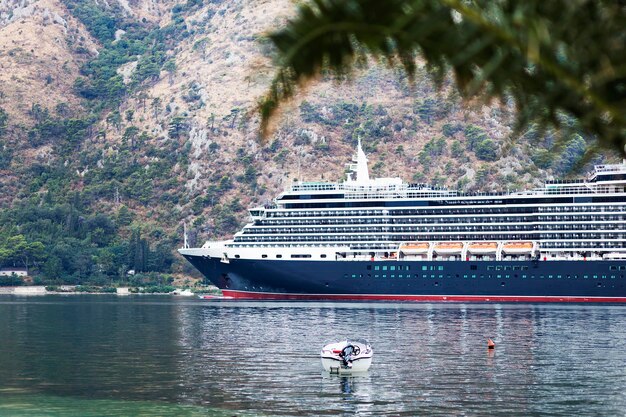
(122, 119)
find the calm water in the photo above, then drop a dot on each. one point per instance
(108, 355)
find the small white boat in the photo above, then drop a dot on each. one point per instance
(347, 356)
(184, 293)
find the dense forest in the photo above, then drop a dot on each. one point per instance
(95, 191)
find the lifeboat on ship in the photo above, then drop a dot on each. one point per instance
(482, 248)
(517, 248)
(414, 248)
(449, 248)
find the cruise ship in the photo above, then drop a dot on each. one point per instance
(382, 239)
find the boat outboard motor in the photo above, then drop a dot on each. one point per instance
(346, 356)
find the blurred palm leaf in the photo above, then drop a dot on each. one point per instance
(553, 58)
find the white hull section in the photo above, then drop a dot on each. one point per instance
(334, 366)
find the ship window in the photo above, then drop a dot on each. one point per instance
(523, 276)
(524, 268)
(301, 256)
(541, 276)
(586, 276)
(323, 255)
(432, 276)
(603, 276)
(376, 276)
(392, 268)
(345, 275)
(279, 256)
(474, 276)
(424, 268)
(490, 268)
(507, 276)
(507, 268)
(613, 268)
(465, 276)
(408, 268)
(392, 276)
(237, 256)
(384, 267)
(473, 267)
(384, 275)
(595, 277)
(498, 268)
(376, 268)
(440, 268)
(559, 277)
(353, 275)
(516, 268)
(612, 276)
(621, 268)
(400, 276)
(499, 276)
(263, 256)
(369, 267)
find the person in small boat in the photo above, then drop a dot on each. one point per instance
(346, 356)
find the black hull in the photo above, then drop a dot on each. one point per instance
(601, 281)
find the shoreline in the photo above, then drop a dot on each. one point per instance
(39, 290)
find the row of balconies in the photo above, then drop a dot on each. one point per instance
(446, 221)
(527, 227)
(620, 208)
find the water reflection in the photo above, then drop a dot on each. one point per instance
(263, 359)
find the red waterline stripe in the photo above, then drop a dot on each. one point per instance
(248, 295)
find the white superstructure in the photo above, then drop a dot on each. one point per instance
(366, 217)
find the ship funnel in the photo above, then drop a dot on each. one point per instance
(362, 173)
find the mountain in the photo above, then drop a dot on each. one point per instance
(122, 119)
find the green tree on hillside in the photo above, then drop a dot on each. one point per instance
(18, 251)
(548, 57)
(486, 150)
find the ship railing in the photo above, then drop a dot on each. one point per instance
(315, 187)
(610, 168)
(571, 181)
(404, 190)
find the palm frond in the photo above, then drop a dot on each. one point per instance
(551, 57)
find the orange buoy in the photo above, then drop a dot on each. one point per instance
(490, 344)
